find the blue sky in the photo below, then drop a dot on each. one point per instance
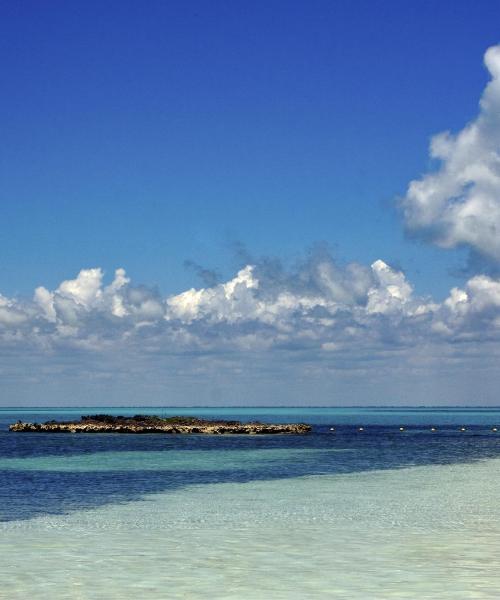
(143, 136)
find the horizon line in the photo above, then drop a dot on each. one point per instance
(371, 406)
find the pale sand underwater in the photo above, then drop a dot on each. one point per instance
(418, 532)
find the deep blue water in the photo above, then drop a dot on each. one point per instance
(33, 483)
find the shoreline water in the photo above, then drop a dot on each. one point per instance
(281, 539)
(351, 515)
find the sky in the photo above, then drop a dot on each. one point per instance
(229, 203)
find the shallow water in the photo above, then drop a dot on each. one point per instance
(345, 514)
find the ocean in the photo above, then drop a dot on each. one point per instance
(376, 513)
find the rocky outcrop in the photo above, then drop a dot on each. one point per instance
(153, 424)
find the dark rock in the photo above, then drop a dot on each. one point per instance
(102, 423)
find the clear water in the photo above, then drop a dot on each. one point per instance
(347, 514)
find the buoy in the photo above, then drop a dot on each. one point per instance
(462, 429)
(361, 429)
(433, 429)
(401, 429)
(494, 429)
(332, 428)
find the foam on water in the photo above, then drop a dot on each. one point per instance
(421, 532)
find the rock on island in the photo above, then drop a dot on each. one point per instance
(154, 424)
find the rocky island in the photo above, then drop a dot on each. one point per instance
(154, 424)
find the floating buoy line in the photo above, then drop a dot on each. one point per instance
(433, 429)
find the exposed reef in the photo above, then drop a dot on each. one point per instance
(154, 424)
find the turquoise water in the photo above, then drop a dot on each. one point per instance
(318, 415)
(344, 514)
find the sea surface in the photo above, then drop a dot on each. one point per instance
(377, 513)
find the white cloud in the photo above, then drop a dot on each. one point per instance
(392, 292)
(320, 305)
(459, 204)
(230, 301)
(10, 313)
(311, 322)
(45, 301)
(85, 289)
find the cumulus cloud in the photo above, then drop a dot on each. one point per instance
(10, 313)
(472, 313)
(459, 204)
(317, 306)
(316, 321)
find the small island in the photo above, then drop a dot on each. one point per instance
(155, 424)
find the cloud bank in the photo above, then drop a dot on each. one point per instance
(459, 204)
(317, 307)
